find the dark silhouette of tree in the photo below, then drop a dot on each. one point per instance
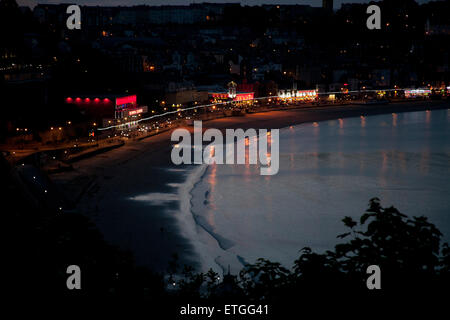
(408, 251)
(414, 271)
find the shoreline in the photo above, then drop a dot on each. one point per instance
(157, 150)
(221, 251)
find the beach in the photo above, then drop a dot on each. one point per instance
(140, 200)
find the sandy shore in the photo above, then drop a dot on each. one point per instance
(116, 187)
(160, 144)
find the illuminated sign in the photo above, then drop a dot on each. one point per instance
(243, 96)
(135, 111)
(126, 100)
(237, 97)
(303, 94)
(220, 95)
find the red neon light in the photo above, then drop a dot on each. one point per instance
(78, 99)
(106, 100)
(69, 99)
(220, 95)
(126, 100)
(136, 111)
(96, 99)
(87, 100)
(244, 96)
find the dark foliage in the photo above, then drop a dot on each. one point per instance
(413, 265)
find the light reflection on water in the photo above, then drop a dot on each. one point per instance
(327, 171)
(210, 198)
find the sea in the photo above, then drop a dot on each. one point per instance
(328, 170)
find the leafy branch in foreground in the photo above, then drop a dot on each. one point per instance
(407, 250)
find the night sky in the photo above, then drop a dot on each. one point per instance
(317, 3)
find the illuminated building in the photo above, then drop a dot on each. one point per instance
(107, 108)
(298, 95)
(237, 96)
(417, 93)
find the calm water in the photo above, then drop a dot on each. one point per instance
(328, 170)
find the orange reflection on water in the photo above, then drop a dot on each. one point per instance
(315, 160)
(394, 119)
(269, 169)
(213, 177)
(212, 182)
(428, 117)
(247, 171)
(316, 129)
(269, 156)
